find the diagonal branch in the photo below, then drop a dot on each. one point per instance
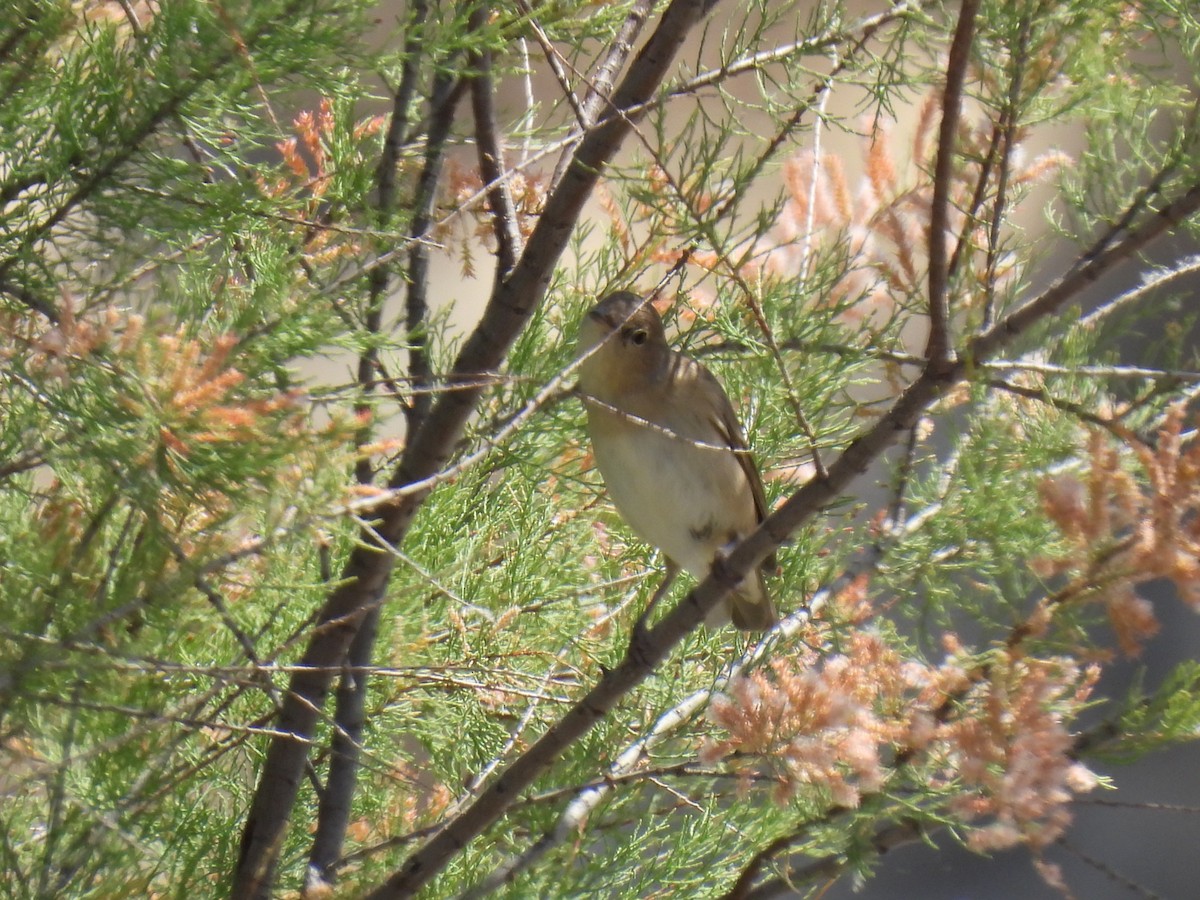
(491, 155)
(885, 839)
(1106, 252)
(618, 51)
(650, 647)
(600, 85)
(938, 348)
(30, 299)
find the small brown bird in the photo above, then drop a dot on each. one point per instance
(668, 444)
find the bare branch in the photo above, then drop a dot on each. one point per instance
(600, 85)
(445, 95)
(614, 59)
(938, 348)
(333, 809)
(1151, 282)
(1105, 253)
(886, 839)
(385, 194)
(1008, 125)
(490, 146)
(1077, 410)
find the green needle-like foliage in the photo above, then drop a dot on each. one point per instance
(243, 247)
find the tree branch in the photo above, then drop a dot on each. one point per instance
(713, 77)
(1105, 253)
(885, 839)
(333, 809)
(938, 347)
(444, 100)
(1008, 125)
(600, 85)
(490, 147)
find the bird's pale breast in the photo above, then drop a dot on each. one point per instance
(686, 499)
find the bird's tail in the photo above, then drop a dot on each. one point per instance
(749, 607)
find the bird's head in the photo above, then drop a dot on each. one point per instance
(623, 339)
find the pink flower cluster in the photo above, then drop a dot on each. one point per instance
(991, 741)
(1007, 752)
(1124, 528)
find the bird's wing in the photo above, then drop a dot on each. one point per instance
(725, 420)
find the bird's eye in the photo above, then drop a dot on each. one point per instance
(639, 336)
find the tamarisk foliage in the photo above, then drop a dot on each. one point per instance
(310, 585)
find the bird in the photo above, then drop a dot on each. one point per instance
(671, 452)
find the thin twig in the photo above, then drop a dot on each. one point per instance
(1151, 281)
(822, 43)
(555, 61)
(444, 100)
(1105, 869)
(725, 204)
(808, 241)
(1008, 124)
(886, 839)
(896, 514)
(1078, 410)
